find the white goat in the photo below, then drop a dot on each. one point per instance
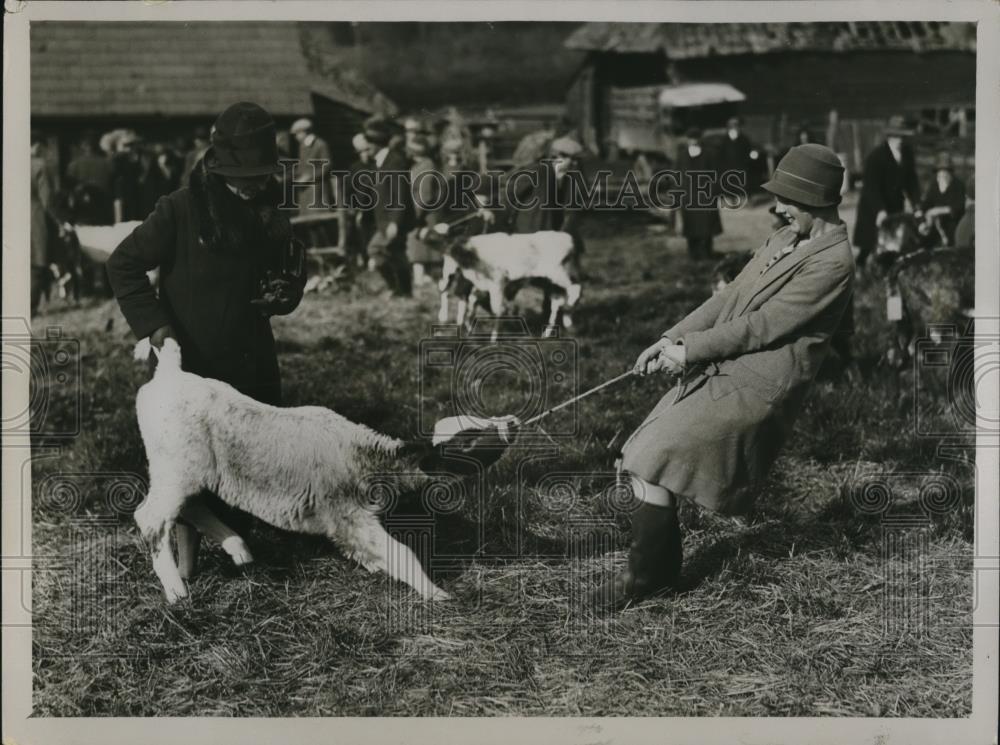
(499, 264)
(296, 468)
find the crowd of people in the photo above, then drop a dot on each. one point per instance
(120, 177)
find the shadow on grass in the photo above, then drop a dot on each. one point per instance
(836, 529)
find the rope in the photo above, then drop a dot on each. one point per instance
(581, 396)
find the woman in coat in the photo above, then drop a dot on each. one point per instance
(227, 263)
(748, 357)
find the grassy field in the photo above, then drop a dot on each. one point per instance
(817, 605)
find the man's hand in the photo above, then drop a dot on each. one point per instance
(391, 230)
(442, 228)
(156, 340)
(157, 337)
(487, 217)
(880, 218)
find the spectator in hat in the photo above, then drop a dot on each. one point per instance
(126, 189)
(737, 153)
(944, 201)
(199, 145)
(541, 197)
(360, 217)
(227, 262)
(161, 174)
(393, 210)
(430, 198)
(747, 357)
(92, 170)
(535, 145)
(312, 170)
(698, 172)
(413, 130)
(889, 185)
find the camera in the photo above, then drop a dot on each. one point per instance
(52, 366)
(955, 381)
(511, 374)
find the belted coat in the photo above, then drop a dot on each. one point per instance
(752, 353)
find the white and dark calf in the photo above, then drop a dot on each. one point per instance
(498, 265)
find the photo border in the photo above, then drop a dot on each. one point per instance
(18, 724)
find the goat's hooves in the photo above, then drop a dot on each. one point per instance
(440, 596)
(175, 593)
(237, 550)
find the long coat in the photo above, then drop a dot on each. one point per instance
(394, 205)
(205, 291)
(699, 220)
(318, 191)
(752, 352)
(885, 184)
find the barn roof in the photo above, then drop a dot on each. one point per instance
(689, 40)
(182, 69)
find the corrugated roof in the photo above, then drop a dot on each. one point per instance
(689, 40)
(179, 69)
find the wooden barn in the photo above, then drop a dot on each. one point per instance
(165, 79)
(840, 80)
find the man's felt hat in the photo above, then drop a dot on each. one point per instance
(897, 126)
(243, 142)
(377, 131)
(809, 174)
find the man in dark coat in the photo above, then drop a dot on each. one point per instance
(748, 357)
(698, 172)
(92, 171)
(737, 153)
(127, 181)
(227, 263)
(361, 218)
(889, 180)
(393, 211)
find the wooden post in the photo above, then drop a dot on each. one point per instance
(831, 130)
(856, 147)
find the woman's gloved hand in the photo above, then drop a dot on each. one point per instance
(661, 355)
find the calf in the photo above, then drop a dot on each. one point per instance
(300, 469)
(499, 265)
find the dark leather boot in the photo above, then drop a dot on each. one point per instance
(654, 560)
